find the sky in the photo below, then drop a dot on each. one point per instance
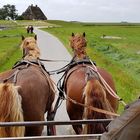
(83, 10)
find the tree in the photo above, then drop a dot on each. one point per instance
(2, 13)
(19, 17)
(8, 11)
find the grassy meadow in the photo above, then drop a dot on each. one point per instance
(120, 57)
(10, 40)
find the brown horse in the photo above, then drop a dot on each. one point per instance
(84, 85)
(26, 93)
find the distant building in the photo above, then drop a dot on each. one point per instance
(33, 13)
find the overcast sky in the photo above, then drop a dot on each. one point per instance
(84, 10)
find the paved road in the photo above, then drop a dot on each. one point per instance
(52, 48)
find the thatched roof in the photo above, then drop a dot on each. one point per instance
(34, 12)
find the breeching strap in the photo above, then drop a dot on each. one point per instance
(108, 88)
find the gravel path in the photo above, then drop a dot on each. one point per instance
(52, 48)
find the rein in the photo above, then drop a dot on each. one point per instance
(50, 81)
(48, 60)
(36, 63)
(63, 69)
(94, 108)
(14, 75)
(83, 105)
(58, 70)
(77, 103)
(107, 87)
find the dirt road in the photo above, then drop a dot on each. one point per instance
(52, 48)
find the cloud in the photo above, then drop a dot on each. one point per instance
(84, 10)
(93, 10)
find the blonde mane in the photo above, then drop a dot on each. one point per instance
(29, 45)
(78, 44)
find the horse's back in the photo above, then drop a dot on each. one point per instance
(76, 80)
(37, 97)
(107, 77)
(75, 83)
(36, 93)
(35, 90)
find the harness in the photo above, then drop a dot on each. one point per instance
(27, 62)
(90, 73)
(72, 66)
(20, 65)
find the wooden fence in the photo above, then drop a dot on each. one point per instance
(59, 137)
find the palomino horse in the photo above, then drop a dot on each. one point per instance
(83, 85)
(26, 93)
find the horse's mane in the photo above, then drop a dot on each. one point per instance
(30, 45)
(78, 44)
(78, 41)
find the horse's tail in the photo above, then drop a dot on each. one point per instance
(10, 110)
(95, 96)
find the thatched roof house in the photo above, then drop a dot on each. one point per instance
(34, 13)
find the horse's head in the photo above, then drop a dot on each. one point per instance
(30, 48)
(78, 44)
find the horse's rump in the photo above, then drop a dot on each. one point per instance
(76, 76)
(36, 87)
(34, 82)
(36, 92)
(83, 85)
(90, 87)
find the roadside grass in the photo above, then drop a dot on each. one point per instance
(11, 60)
(23, 23)
(34, 23)
(7, 23)
(10, 40)
(118, 56)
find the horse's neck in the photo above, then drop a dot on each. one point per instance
(32, 54)
(30, 58)
(80, 57)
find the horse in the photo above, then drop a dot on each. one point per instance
(83, 85)
(30, 29)
(26, 93)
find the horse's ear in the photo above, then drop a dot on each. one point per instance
(35, 37)
(72, 34)
(84, 34)
(22, 37)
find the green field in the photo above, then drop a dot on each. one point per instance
(10, 40)
(121, 57)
